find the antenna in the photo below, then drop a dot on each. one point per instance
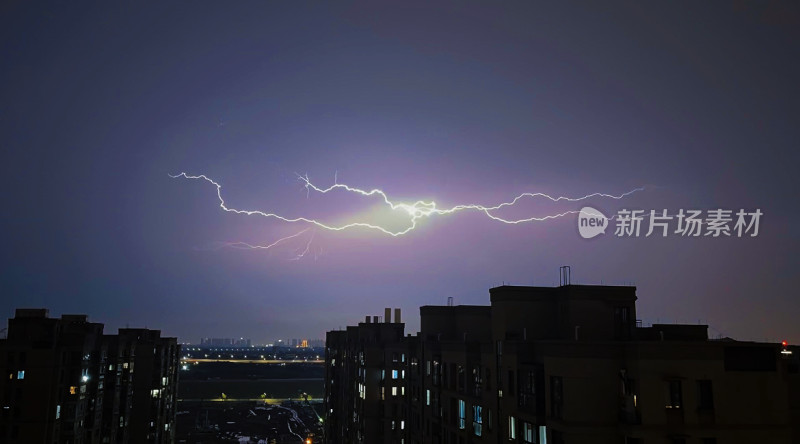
(449, 301)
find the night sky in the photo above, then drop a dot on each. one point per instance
(461, 103)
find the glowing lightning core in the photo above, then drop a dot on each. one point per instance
(414, 212)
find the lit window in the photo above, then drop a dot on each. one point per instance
(462, 414)
(428, 397)
(527, 432)
(674, 394)
(394, 374)
(477, 420)
(58, 411)
(73, 390)
(512, 427)
(394, 391)
(21, 374)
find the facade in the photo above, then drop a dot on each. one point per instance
(555, 365)
(67, 382)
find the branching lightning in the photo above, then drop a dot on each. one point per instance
(413, 212)
(246, 246)
(306, 250)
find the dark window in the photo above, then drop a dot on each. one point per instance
(709, 440)
(622, 324)
(477, 381)
(511, 382)
(556, 397)
(527, 388)
(705, 395)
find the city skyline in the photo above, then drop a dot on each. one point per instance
(457, 105)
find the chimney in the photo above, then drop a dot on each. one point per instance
(397, 315)
(368, 320)
(387, 315)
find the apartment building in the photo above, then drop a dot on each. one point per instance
(64, 381)
(567, 364)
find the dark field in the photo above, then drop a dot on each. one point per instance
(234, 370)
(208, 380)
(251, 389)
(205, 418)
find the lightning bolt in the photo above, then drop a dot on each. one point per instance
(414, 212)
(247, 246)
(308, 247)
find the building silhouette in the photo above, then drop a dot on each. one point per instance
(67, 382)
(567, 364)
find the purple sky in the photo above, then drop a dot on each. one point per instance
(458, 104)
